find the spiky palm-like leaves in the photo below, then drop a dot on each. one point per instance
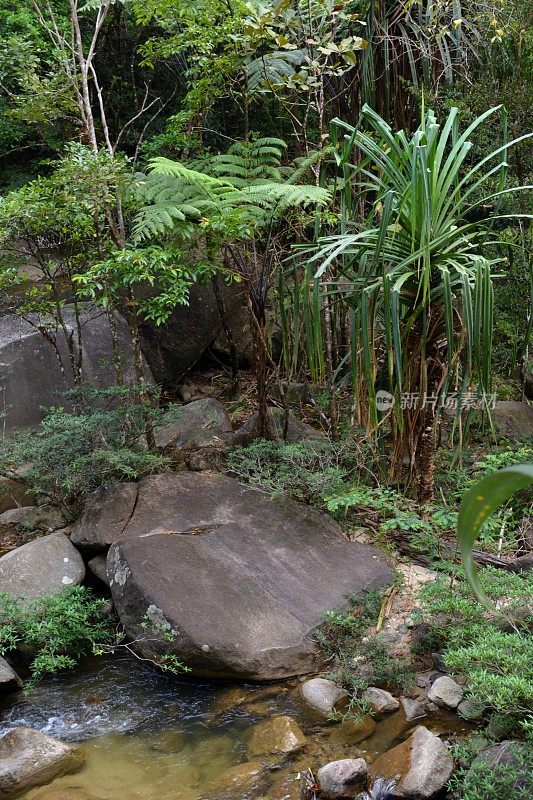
(419, 284)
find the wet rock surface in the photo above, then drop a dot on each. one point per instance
(9, 680)
(49, 564)
(380, 701)
(29, 758)
(277, 736)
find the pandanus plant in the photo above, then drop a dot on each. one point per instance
(417, 274)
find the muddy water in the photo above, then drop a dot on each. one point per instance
(149, 736)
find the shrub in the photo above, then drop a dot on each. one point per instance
(57, 630)
(307, 471)
(344, 641)
(482, 781)
(71, 454)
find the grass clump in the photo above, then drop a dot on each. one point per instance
(360, 660)
(476, 779)
(307, 471)
(73, 453)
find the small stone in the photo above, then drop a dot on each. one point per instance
(323, 695)
(422, 680)
(279, 735)
(412, 709)
(470, 709)
(381, 701)
(238, 781)
(445, 692)
(340, 779)
(353, 731)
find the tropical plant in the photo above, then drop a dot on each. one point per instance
(481, 500)
(419, 280)
(241, 205)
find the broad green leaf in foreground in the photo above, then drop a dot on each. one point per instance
(477, 505)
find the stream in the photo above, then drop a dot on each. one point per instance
(149, 736)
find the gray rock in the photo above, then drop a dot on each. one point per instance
(380, 701)
(9, 680)
(29, 758)
(49, 564)
(412, 709)
(421, 766)
(514, 419)
(445, 692)
(173, 347)
(200, 424)
(323, 695)
(470, 709)
(340, 779)
(31, 374)
(297, 431)
(244, 580)
(98, 567)
(107, 512)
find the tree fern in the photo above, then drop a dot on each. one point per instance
(246, 183)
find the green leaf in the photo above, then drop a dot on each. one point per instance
(477, 505)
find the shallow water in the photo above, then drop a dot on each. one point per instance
(148, 736)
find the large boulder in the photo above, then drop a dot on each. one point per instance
(107, 512)
(176, 345)
(29, 758)
(242, 580)
(30, 370)
(420, 767)
(514, 419)
(49, 564)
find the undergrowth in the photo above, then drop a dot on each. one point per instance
(494, 653)
(74, 452)
(55, 630)
(359, 660)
